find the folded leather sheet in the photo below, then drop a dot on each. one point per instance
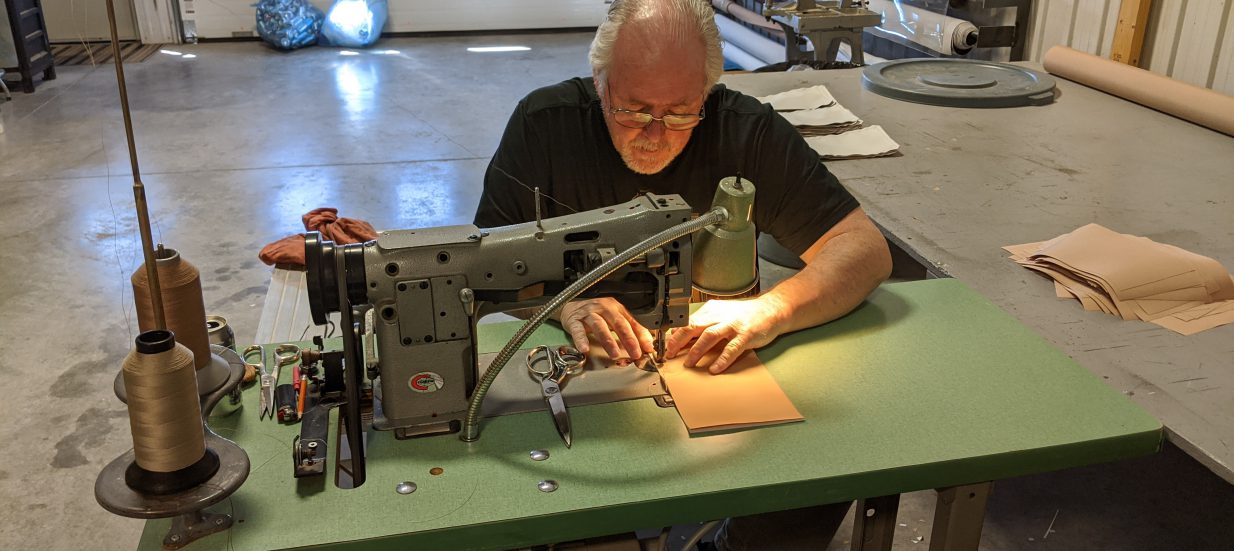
(744, 396)
(1134, 278)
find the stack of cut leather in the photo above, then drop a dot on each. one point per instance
(1134, 278)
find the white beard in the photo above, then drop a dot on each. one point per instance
(635, 155)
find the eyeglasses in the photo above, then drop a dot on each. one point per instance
(639, 119)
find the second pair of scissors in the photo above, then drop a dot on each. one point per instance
(551, 365)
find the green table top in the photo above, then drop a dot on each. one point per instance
(925, 385)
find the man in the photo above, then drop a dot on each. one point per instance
(651, 119)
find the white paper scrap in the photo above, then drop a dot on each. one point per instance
(813, 97)
(827, 116)
(871, 141)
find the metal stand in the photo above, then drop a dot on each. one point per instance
(190, 527)
(825, 27)
(958, 517)
(875, 525)
(190, 522)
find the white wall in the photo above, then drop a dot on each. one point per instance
(228, 18)
(1190, 40)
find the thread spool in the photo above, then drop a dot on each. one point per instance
(184, 306)
(169, 447)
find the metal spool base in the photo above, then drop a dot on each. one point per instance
(111, 491)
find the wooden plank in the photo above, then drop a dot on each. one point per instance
(1133, 17)
(1088, 25)
(1197, 43)
(1223, 73)
(1111, 27)
(1130, 32)
(1162, 38)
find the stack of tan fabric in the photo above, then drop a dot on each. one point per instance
(1134, 278)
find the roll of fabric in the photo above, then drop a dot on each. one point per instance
(1198, 105)
(936, 31)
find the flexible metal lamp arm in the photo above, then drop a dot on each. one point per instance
(471, 428)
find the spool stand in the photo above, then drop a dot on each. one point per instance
(191, 522)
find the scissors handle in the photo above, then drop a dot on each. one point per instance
(540, 362)
(555, 363)
(571, 359)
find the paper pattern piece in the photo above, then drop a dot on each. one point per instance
(821, 122)
(813, 97)
(833, 131)
(867, 142)
(744, 396)
(1134, 278)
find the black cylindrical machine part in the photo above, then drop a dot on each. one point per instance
(323, 289)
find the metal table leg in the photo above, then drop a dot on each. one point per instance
(874, 525)
(958, 517)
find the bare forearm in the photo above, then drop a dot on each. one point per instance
(840, 272)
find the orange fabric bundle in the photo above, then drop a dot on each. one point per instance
(288, 252)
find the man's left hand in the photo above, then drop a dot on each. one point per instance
(735, 325)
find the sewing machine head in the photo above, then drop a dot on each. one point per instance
(420, 293)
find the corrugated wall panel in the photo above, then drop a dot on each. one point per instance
(1197, 44)
(1088, 27)
(1163, 27)
(1223, 74)
(1055, 20)
(1190, 40)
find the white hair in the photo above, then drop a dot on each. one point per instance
(678, 21)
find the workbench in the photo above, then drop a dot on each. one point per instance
(973, 180)
(926, 385)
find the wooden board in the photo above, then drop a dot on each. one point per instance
(1129, 34)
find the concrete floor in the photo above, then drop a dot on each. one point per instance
(234, 145)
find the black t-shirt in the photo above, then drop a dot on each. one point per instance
(557, 140)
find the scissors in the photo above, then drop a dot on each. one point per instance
(267, 381)
(551, 365)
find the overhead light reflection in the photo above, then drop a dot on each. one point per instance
(487, 49)
(348, 52)
(190, 56)
(356, 84)
(170, 52)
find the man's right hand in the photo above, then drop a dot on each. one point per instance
(601, 318)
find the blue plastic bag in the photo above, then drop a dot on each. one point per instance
(288, 24)
(354, 23)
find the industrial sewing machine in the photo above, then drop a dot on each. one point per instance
(425, 289)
